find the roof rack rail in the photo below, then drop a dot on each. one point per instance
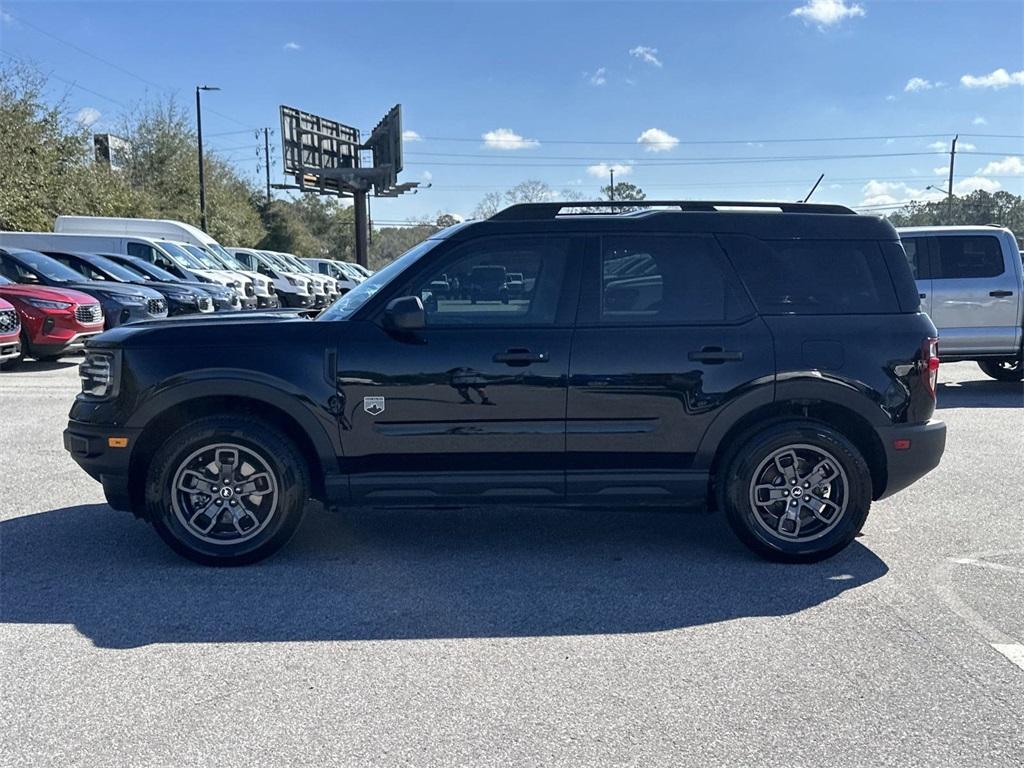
(536, 211)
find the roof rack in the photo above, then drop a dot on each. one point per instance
(536, 211)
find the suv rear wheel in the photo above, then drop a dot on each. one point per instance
(796, 492)
(226, 491)
(1003, 370)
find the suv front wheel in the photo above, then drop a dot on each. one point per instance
(225, 490)
(796, 492)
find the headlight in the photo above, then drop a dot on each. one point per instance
(236, 284)
(44, 304)
(180, 296)
(291, 280)
(99, 373)
(124, 298)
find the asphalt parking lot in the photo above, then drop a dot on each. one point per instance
(521, 638)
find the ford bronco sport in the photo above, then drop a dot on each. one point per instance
(767, 360)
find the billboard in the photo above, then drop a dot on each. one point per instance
(311, 144)
(385, 143)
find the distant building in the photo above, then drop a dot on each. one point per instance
(111, 150)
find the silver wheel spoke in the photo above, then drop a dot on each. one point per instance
(822, 473)
(787, 468)
(789, 523)
(227, 462)
(255, 484)
(211, 511)
(191, 481)
(769, 494)
(823, 509)
(244, 513)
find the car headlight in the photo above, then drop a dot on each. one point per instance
(44, 304)
(99, 373)
(124, 298)
(180, 296)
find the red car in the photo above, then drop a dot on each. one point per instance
(54, 321)
(10, 330)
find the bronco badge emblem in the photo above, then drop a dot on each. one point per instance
(373, 405)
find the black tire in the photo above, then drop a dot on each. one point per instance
(504, 297)
(166, 507)
(736, 492)
(1003, 370)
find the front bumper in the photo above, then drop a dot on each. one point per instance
(74, 343)
(268, 302)
(904, 466)
(293, 299)
(10, 349)
(248, 302)
(89, 447)
(122, 314)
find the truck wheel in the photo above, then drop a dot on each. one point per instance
(1003, 370)
(796, 492)
(225, 490)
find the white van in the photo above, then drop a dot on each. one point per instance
(167, 229)
(156, 251)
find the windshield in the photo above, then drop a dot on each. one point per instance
(350, 303)
(5, 281)
(202, 257)
(277, 261)
(219, 251)
(112, 268)
(151, 271)
(181, 256)
(47, 267)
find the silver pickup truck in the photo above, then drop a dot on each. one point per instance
(971, 281)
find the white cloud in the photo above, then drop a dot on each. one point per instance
(1011, 165)
(657, 140)
(1000, 78)
(918, 84)
(827, 13)
(6, 18)
(408, 135)
(965, 146)
(889, 142)
(292, 46)
(646, 54)
(87, 116)
(979, 120)
(895, 193)
(890, 97)
(939, 146)
(505, 138)
(974, 183)
(941, 170)
(601, 170)
(598, 77)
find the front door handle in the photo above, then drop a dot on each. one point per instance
(714, 355)
(923, 295)
(1000, 294)
(520, 357)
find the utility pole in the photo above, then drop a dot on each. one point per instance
(266, 159)
(952, 158)
(611, 185)
(202, 170)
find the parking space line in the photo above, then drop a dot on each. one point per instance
(1013, 651)
(985, 564)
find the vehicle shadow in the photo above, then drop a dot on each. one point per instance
(41, 366)
(981, 394)
(374, 575)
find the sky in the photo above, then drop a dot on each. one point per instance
(688, 100)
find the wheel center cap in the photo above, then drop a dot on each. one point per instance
(226, 492)
(796, 492)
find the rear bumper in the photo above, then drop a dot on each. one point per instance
(88, 446)
(907, 465)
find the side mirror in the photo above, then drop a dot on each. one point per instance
(28, 278)
(405, 313)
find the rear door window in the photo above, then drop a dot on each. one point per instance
(967, 256)
(667, 280)
(814, 277)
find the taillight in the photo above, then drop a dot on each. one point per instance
(930, 364)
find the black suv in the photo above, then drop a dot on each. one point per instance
(769, 360)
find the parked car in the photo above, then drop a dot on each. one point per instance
(181, 299)
(54, 321)
(120, 303)
(323, 288)
(334, 269)
(265, 291)
(784, 375)
(224, 299)
(292, 290)
(971, 283)
(153, 250)
(10, 334)
(488, 282)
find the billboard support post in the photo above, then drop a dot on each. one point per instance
(360, 200)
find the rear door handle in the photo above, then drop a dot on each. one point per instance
(1000, 294)
(714, 355)
(520, 357)
(922, 295)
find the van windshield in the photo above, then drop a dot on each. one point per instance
(206, 260)
(350, 303)
(180, 255)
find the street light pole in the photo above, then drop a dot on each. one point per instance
(202, 170)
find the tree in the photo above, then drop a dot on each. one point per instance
(286, 231)
(530, 191)
(979, 207)
(446, 220)
(622, 191)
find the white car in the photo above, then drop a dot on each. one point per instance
(335, 269)
(324, 290)
(292, 290)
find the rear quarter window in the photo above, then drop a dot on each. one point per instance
(814, 277)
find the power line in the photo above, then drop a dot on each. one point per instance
(111, 64)
(63, 80)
